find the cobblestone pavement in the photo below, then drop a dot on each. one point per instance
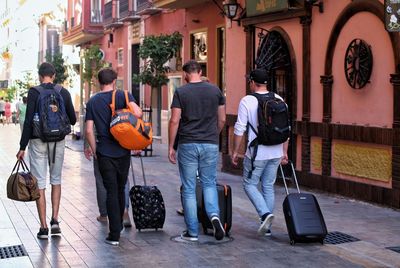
(82, 241)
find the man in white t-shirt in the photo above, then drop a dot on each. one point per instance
(268, 158)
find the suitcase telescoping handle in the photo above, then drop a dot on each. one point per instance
(294, 177)
(133, 174)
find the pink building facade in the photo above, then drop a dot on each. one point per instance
(333, 61)
(337, 68)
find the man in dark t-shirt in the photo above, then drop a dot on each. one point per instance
(198, 108)
(113, 159)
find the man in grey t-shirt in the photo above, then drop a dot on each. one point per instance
(198, 108)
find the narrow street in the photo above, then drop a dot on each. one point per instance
(82, 241)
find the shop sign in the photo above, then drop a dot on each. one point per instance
(259, 7)
(392, 15)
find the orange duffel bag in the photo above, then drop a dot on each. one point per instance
(131, 133)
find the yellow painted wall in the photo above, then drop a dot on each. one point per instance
(362, 161)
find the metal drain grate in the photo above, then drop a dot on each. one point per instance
(395, 249)
(12, 252)
(335, 238)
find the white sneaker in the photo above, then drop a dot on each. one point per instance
(266, 224)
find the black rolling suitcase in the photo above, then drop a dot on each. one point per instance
(225, 208)
(148, 207)
(303, 216)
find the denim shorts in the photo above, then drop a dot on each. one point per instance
(39, 153)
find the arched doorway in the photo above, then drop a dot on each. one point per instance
(274, 56)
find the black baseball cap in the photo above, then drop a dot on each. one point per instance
(259, 76)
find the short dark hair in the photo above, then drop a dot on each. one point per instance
(46, 69)
(191, 66)
(106, 76)
(24, 99)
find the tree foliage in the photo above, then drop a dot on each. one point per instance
(24, 84)
(11, 93)
(59, 64)
(156, 51)
(93, 62)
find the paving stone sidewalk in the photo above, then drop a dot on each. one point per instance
(82, 241)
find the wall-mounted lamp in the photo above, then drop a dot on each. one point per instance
(230, 9)
(320, 4)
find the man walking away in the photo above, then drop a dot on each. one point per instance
(2, 110)
(268, 158)
(198, 108)
(113, 160)
(41, 152)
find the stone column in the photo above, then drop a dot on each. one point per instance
(395, 80)
(327, 81)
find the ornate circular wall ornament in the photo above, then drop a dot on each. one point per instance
(358, 63)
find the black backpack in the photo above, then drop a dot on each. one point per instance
(273, 121)
(50, 121)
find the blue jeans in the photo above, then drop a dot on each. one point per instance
(264, 171)
(202, 157)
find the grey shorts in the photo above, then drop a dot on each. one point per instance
(39, 160)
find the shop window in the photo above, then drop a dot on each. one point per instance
(120, 56)
(199, 49)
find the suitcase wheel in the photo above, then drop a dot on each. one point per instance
(292, 242)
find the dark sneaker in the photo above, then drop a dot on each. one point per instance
(127, 222)
(43, 233)
(186, 236)
(102, 218)
(268, 233)
(55, 227)
(266, 223)
(112, 242)
(219, 231)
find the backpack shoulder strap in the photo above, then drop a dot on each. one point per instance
(58, 88)
(128, 105)
(112, 105)
(38, 88)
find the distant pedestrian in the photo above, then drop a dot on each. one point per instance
(113, 159)
(7, 111)
(267, 159)
(198, 109)
(43, 154)
(2, 110)
(21, 112)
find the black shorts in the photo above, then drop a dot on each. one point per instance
(2, 113)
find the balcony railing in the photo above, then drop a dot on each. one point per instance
(108, 12)
(95, 16)
(146, 7)
(143, 4)
(123, 8)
